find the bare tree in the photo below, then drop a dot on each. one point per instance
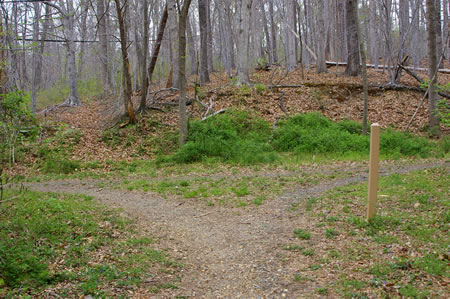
(68, 16)
(321, 38)
(203, 20)
(373, 32)
(173, 40)
(244, 23)
(183, 13)
(433, 120)
(103, 49)
(144, 57)
(353, 60)
(121, 10)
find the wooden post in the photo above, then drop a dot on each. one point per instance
(373, 169)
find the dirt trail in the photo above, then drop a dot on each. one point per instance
(227, 252)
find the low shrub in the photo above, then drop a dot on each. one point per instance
(235, 136)
(60, 165)
(241, 137)
(313, 133)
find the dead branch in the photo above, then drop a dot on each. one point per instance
(215, 113)
(210, 107)
(280, 102)
(170, 89)
(421, 81)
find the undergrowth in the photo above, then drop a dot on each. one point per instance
(48, 238)
(236, 136)
(244, 138)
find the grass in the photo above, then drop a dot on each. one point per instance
(237, 191)
(58, 93)
(302, 234)
(73, 246)
(403, 251)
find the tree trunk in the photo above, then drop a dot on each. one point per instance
(103, 47)
(85, 8)
(404, 27)
(243, 35)
(433, 120)
(36, 57)
(439, 40)
(415, 31)
(172, 10)
(291, 60)
(446, 29)
(144, 58)
(266, 32)
(38, 52)
(126, 64)
(321, 65)
(273, 28)
(182, 70)
(69, 30)
(353, 60)
(373, 32)
(157, 46)
(210, 36)
(365, 81)
(203, 20)
(192, 48)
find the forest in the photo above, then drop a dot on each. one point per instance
(220, 148)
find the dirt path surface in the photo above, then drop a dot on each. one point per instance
(227, 252)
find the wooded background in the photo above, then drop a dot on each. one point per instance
(46, 43)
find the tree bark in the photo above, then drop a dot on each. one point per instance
(103, 46)
(182, 70)
(69, 31)
(203, 20)
(192, 48)
(353, 60)
(266, 32)
(243, 35)
(273, 28)
(415, 31)
(144, 58)
(291, 60)
(433, 120)
(36, 62)
(446, 29)
(126, 63)
(157, 46)
(373, 32)
(210, 36)
(173, 35)
(321, 65)
(85, 8)
(439, 39)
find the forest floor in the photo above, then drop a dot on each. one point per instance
(291, 230)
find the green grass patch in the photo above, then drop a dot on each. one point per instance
(58, 93)
(302, 234)
(54, 241)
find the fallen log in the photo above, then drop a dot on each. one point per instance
(372, 87)
(421, 81)
(421, 69)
